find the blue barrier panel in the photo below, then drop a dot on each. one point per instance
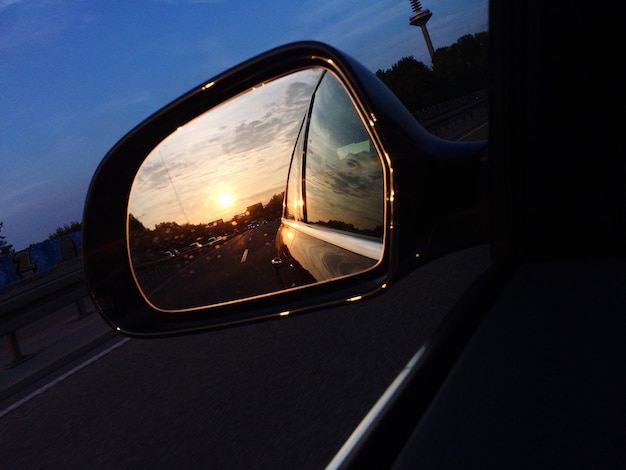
(7, 272)
(39, 258)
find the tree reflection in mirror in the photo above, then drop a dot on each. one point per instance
(278, 188)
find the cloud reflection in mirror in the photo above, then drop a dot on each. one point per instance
(182, 179)
(205, 207)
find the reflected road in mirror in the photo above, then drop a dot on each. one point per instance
(236, 267)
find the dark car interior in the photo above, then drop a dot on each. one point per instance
(529, 370)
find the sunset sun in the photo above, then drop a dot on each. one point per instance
(225, 199)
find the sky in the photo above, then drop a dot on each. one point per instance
(76, 75)
(226, 160)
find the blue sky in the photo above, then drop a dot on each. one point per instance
(76, 75)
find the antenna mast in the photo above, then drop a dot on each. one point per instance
(420, 19)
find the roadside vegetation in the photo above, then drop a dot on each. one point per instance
(457, 70)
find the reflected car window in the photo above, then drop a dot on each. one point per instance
(343, 172)
(294, 199)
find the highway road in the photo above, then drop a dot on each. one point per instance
(280, 394)
(231, 269)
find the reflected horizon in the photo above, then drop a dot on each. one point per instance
(209, 216)
(203, 172)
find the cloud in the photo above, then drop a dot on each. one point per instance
(7, 3)
(40, 23)
(19, 199)
(242, 147)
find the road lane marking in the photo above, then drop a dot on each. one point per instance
(61, 378)
(467, 134)
(245, 256)
(373, 416)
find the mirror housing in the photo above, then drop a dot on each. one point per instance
(430, 183)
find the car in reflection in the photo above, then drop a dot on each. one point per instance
(334, 202)
(195, 246)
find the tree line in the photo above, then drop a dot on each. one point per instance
(6, 248)
(457, 70)
(167, 236)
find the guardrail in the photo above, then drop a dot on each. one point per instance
(451, 119)
(35, 303)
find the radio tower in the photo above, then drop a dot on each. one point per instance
(420, 19)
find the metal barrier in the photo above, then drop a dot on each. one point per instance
(33, 304)
(452, 125)
(451, 119)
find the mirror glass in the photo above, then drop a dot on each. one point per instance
(278, 188)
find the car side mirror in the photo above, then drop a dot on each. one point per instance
(272, 189)
(217, 190)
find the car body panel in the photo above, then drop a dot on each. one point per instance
(323, 253)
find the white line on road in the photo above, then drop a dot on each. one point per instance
(245, 256)
(466, 135)
(61, 378)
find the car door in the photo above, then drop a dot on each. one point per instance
(334, 206)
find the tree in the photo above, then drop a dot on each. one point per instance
(5, 248)
(134, 225)
(463, 66)
(412, 82)
(66, 229)
(274, 208)
(457, 70)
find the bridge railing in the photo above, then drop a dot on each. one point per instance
(452, 118)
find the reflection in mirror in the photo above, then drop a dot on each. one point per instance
(275, 189)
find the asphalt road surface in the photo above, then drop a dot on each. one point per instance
(280, 394)
(232, 269)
